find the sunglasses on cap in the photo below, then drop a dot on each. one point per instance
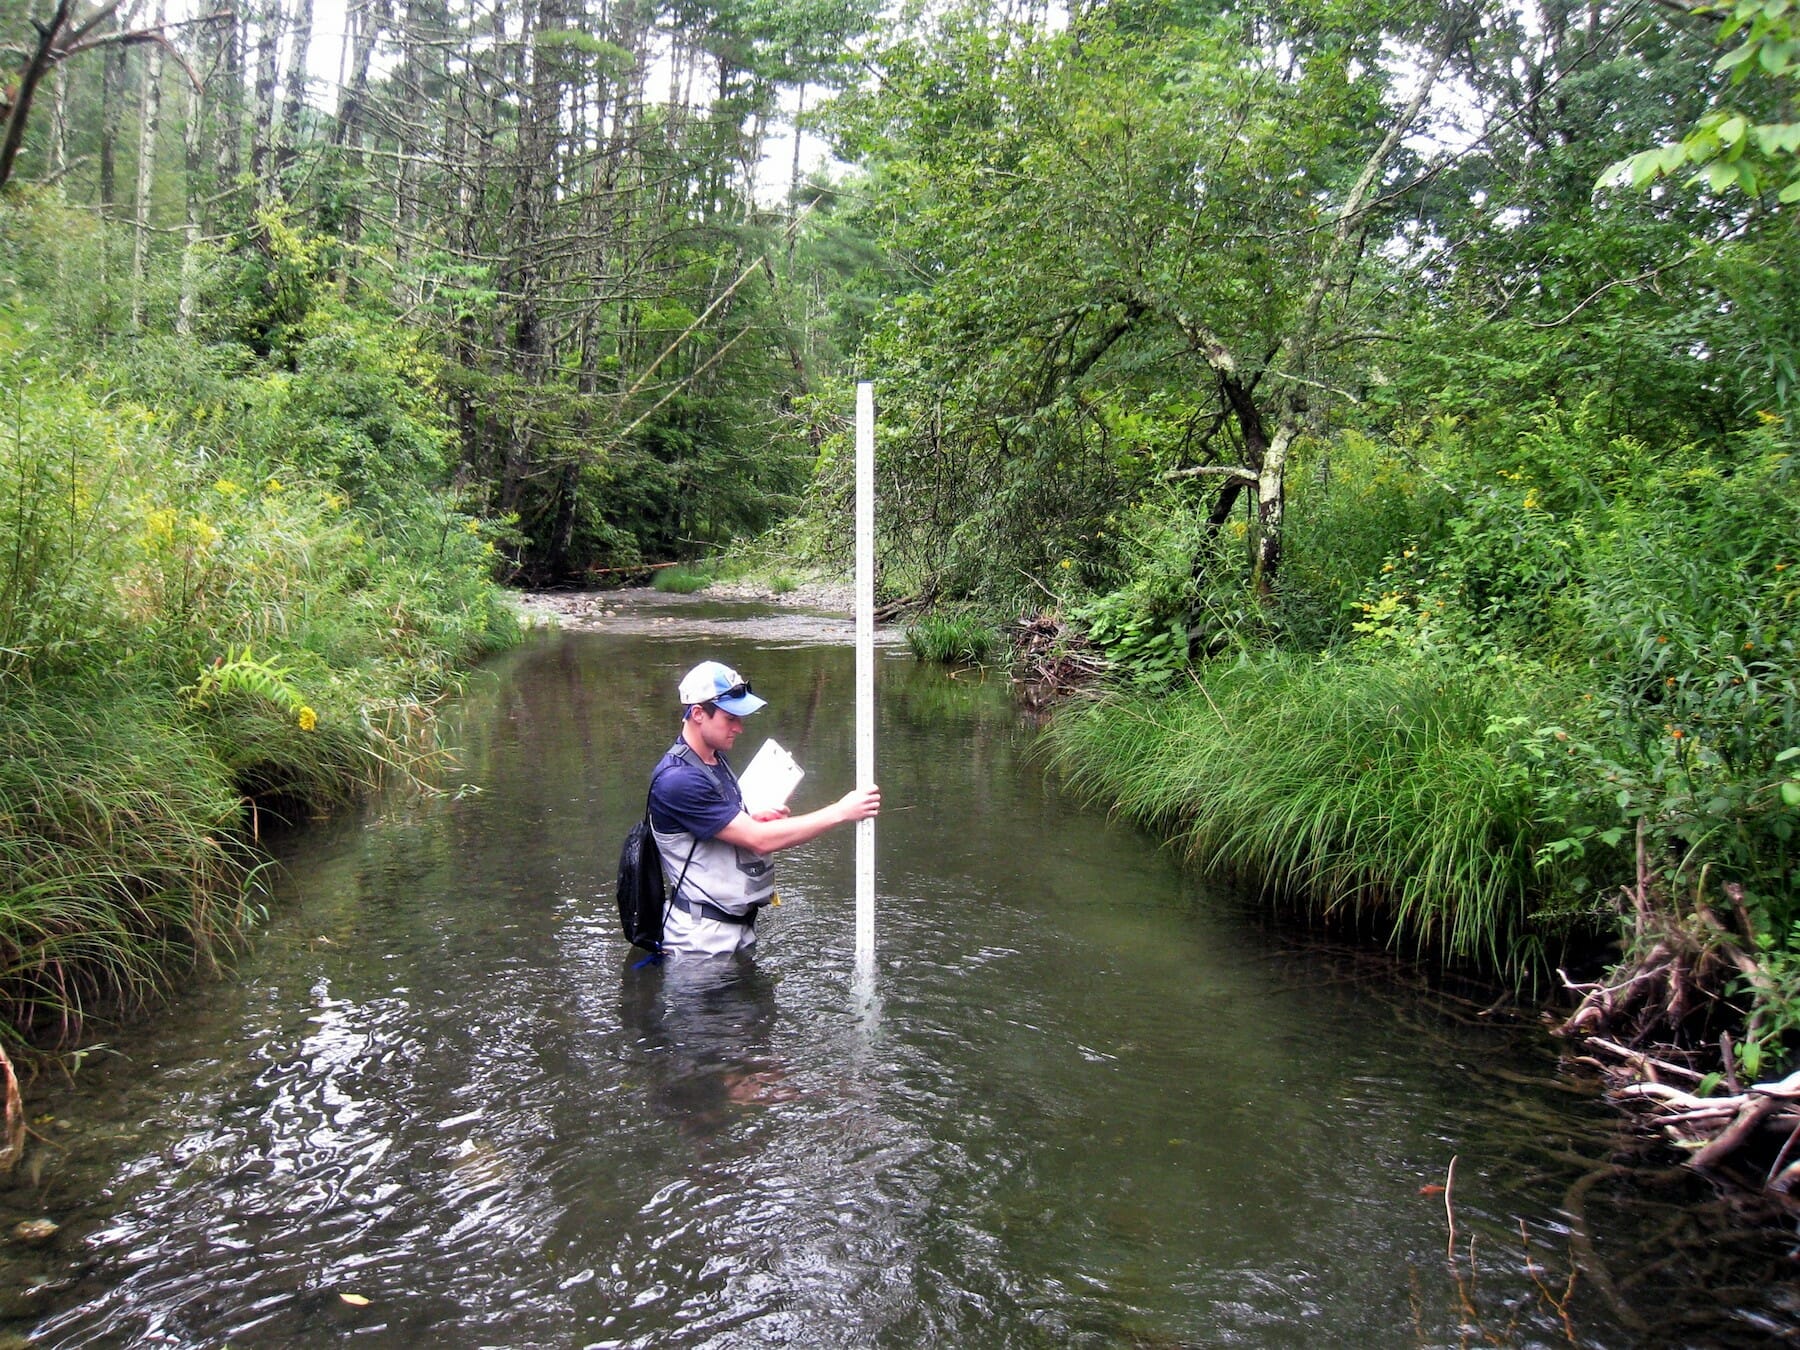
(737, 690)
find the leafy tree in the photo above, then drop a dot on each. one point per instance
(1156, 211)
(1748, 140)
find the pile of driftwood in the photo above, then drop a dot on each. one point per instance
(1050, 659)
(1751, 1129)
(1633, 1025)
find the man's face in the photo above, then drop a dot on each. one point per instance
(718, 728)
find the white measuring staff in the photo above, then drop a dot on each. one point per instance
(865, 669)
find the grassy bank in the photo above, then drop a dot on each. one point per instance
(1564, 700)
(1380, 789)
(230, 584)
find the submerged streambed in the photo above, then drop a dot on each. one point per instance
(1089, 1101)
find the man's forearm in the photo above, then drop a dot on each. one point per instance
(768, 836)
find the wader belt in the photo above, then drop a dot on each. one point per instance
(701, 910)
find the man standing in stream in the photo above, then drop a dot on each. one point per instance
(715, 854)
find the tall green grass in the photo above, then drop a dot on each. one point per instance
(119, 863)
(953, 640)
(681, 580)
(1375, 786)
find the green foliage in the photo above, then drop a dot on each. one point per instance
(238, 674)
(359, 410)
(1667, 578)
(1735, 146)
(1379, 785)
(1775, 994)
(681, 580)
(198, 614)
(1097, 223)
(1357, 502)
(1142, 626)
(953, 640)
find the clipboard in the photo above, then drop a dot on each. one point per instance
(769, 779)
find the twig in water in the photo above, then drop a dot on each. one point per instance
(1781, 1158)
(1449, 1213)
(1581, 1246)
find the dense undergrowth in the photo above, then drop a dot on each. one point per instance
(1471, 705)
(232, 582)
(1503, 658)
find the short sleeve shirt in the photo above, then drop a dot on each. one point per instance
(684, 796)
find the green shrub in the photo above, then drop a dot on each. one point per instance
(1143, 624)
(681, 580)
(1353, 504)
(953, 640)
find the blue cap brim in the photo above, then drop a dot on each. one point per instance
(741, 706)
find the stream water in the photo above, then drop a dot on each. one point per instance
(1088, 1101)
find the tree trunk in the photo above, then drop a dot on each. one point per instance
(533, 177)
(59, 124)
(228, 106)
(112, 103)
(37, 65)
(262, 130)
(294, 106)
(192, 139)
(149, 118)
(367, 20)
(410, 138)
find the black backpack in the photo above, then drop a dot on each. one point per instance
(643, 890)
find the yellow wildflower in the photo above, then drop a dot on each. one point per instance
(308, 719)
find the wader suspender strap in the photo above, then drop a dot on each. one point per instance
(701, 908)
(669, 902)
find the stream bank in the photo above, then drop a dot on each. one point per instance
(1095, 1100)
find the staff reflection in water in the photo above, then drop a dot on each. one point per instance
(707, 1027)
(715, 854)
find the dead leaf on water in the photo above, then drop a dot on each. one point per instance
(355, 1300)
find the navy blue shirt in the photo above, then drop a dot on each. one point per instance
(684, 796)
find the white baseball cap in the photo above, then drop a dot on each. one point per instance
(718, 684)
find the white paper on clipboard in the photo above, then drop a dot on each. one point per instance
(769, 779)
